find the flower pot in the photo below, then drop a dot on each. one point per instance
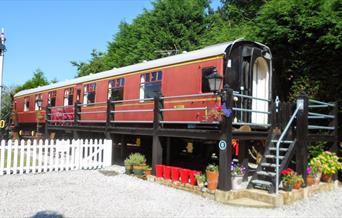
(128, 169)
(310, 180)
(318, 177)
(147, 172)
(287, 187)
(138, 170)
(326, 178)
(159, 170)
(212, 179)
(200, 184)
(175, 173)
(297, 185)
(184, 174)
(236, 182)
(193, 174)
(167, 172)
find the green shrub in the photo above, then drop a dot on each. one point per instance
(212, 168)
(137, 159)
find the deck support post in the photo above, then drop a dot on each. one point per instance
(157, 149)
(47, 118)
(301, 135)
(168, 150)
(225, 156)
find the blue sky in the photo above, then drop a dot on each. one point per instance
(49, 34)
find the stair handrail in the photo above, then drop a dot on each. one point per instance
(300, 106)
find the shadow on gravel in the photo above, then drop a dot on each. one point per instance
(47, 214)
(108, 173)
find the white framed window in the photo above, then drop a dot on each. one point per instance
(89, 93)
(150, 84)
(52, 98)
(116, 89)
(36, 104)
(27, 104)
(68, 97)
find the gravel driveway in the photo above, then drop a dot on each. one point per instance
(92, 194)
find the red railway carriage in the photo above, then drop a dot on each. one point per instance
(245, 66)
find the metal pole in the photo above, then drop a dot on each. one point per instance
(2, 52)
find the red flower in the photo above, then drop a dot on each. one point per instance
(287, 171)
(219, 108)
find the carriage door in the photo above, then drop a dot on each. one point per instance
(260, 89)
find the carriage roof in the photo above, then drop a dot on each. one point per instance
(209, 51)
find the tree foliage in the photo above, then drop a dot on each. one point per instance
(306, 40)
(305, 37)
(38, 79)
(172, 26)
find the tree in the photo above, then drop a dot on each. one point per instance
(234, 19)
(38, 79)
(306, 40)
(172, 26)
(96, 64)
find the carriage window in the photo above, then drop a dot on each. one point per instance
(36, 105)
(150, 84)
(27, 104)
(89, 93)
(52, 98)
(115, 89)
(68, 96)
(205, 73)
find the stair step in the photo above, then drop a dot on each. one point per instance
(285, 141)
(273, 156)
(261, 182)
(264, 173)
(280, 149)
(268, 165)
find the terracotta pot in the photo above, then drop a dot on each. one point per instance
(310, 180)
(297, 185)
(212, 179)
(326, 178)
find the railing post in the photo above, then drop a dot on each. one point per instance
(109, 116)
(47, 118)
(301, 135)
(157, 149)
(334, 123)
(77, 109)
(225, 156)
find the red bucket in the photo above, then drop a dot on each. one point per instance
(159, 170)
(167, 172)
(184, 174)
(193, 174)
(175, 173)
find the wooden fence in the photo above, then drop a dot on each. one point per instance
(18, 157)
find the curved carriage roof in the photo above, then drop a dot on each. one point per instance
(209, 51)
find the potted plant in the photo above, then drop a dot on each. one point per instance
(200, 180)
(316, 167)
(291, 179)
(128, 166)
(312, 172)
(147, 170)
(330, 165)
(238, 172)
(212, 176)
(138, 161)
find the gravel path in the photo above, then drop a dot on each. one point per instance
(92, 194)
